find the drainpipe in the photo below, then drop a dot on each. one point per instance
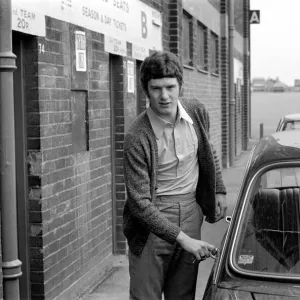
(231, 83)
(11, 265)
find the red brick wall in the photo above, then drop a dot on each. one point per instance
(246, 115)
(76, 199)
(224, 87)
(71, 220)
(206, 86)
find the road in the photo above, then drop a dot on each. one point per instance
(268, 108)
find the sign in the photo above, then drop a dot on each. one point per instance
(254, 16)
(238, 71)
(130, 20)
(130, 76)
(115, 46)
(139, 52)
(80, 49)
(28, 20)
(156, 18)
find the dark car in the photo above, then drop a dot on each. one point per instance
(259, 257)
(289, 122)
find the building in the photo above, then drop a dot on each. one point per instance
(259, 84)
(76, 93)
(297, 85)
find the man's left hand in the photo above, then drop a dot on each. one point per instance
(221, 207)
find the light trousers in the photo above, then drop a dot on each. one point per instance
(165, 268)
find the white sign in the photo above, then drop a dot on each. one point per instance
(156, 18)
(28, 20)
(80, 49)
(115, 46)
(130, 76)
(130, 20)
(66, 5)
(139, 52)
(238, 71)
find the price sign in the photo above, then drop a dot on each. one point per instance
(115, 46)
(139, 52)
(130, 76)
(28, 21)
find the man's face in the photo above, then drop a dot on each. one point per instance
(163, 95)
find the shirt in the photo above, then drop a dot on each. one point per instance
(178, 168)
(140, 162)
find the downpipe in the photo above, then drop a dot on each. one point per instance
(11, 265)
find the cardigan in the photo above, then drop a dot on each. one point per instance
(140, 162)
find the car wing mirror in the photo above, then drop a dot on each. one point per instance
(228, 219)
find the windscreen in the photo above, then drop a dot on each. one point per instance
(291, 125)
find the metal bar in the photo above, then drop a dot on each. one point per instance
(11, 265)
(261, 130)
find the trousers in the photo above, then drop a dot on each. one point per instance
(165, 268)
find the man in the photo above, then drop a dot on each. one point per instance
(172, 179)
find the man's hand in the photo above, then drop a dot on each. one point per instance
(221, 207)
(200, 249)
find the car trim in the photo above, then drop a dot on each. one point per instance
(238, 223)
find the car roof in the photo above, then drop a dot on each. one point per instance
(292, 117)
(277, 147)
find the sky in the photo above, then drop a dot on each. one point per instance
(275, 42)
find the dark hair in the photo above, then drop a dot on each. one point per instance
(159, 65)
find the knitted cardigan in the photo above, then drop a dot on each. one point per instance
(140, 216)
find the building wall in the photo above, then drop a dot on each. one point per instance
(76, 124)
(205, 85)
(70, 169)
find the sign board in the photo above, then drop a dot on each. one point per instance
(28, 20)
(130, 76)
(238, 71)
(254, 16)
(115, 46)
(139, 52)
(80, 50)
(130, 20)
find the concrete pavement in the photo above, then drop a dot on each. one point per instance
(115, 286)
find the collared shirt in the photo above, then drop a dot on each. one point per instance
(178, 168)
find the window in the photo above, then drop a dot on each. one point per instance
(268, 240)
(201, 47)
(187, 39)
(214, 53)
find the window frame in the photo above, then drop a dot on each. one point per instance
(202, 65)
(188, 61)
(214, 53)
(242, 216)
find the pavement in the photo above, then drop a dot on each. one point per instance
(115, 286)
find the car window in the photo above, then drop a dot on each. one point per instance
(268, 240)
(293, 125)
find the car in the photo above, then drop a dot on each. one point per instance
(289, 122)
(259, 256)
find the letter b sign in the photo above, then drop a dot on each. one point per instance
(144, 25)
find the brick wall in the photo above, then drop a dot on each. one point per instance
(205, 85)
(246, 113)
(76, 184)
(70, 190)
(224, 85)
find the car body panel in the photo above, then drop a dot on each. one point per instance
(279, 150)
